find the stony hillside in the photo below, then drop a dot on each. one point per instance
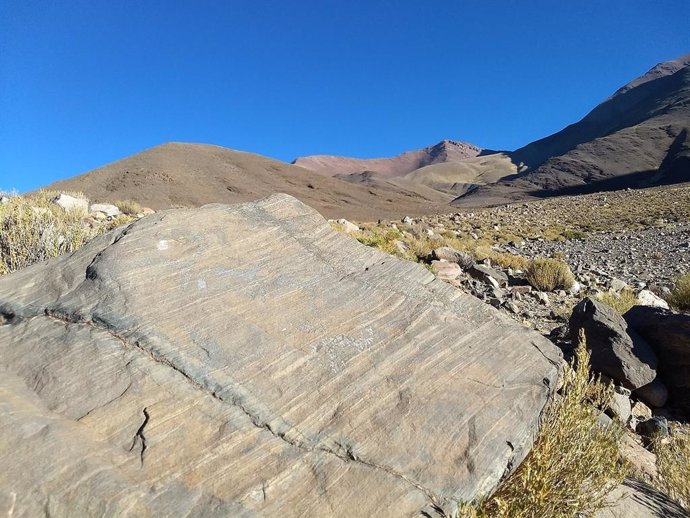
(189, 175)
(639, 137)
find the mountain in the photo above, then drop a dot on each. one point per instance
(189, 175)
(638, 137)
(399, 165)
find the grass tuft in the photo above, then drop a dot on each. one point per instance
(621, 302)
(129, 207)
(680, 294)
(549, 274)
(574, 462)
(673, 463)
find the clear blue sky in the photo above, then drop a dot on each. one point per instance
(83, 83)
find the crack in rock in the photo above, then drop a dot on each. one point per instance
(140, 438)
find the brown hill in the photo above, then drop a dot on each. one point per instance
(636, 138)
(189, 175)
(444, 151)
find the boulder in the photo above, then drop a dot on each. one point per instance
(647, 298)
(248, 360)
(483, 273)
(68, 202)
(446, 253)
(111, 211)
(669, 334)
(623, 357)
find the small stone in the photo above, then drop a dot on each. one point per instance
(348, 227)
(618, 285)
(111, 211)
(656, 427)
(543, 298)
(641, 411)
(408, 220)
(620, 407)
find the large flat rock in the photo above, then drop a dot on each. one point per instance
(247, 360)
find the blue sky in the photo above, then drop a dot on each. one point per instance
(83, 83)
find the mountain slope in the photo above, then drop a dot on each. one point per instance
(178, 174)
(636, 138)
(399, 165)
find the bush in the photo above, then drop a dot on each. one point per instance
(574, 462)
(34, 229)
(680, 294)
(621, 302)
(129, 207)
(673, 463)
(549, 274)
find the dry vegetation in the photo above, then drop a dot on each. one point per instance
(621, 301)
(575, 461)
(549, 274)
(129, 207)
(673, 463)
(680, 294)
(34, 229)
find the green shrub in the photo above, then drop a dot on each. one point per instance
(680, 294)
(574, 462)
(129, 207)
(549, 274)
(621, 301)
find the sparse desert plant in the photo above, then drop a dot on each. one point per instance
(680, 294)
(33, 229)
(384, 241)
(673, 463)
(129, 207)
(574, 462)
(621, 301)
(549, 274)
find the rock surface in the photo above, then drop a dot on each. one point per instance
(636, 499)
(624, 358)
(249, 361)
(669, 334)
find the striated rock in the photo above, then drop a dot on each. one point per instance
(669, 334)
(68, 202)
(626, 359)
(249, 361)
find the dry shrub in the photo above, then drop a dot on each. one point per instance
(621, 302)
(129, 207)
(673, 463)
(680, 294)
(34, 229)
(574, 462)
(549, 274)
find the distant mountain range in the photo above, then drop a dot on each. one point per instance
(638, 137)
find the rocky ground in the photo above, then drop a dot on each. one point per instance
(613, 242)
